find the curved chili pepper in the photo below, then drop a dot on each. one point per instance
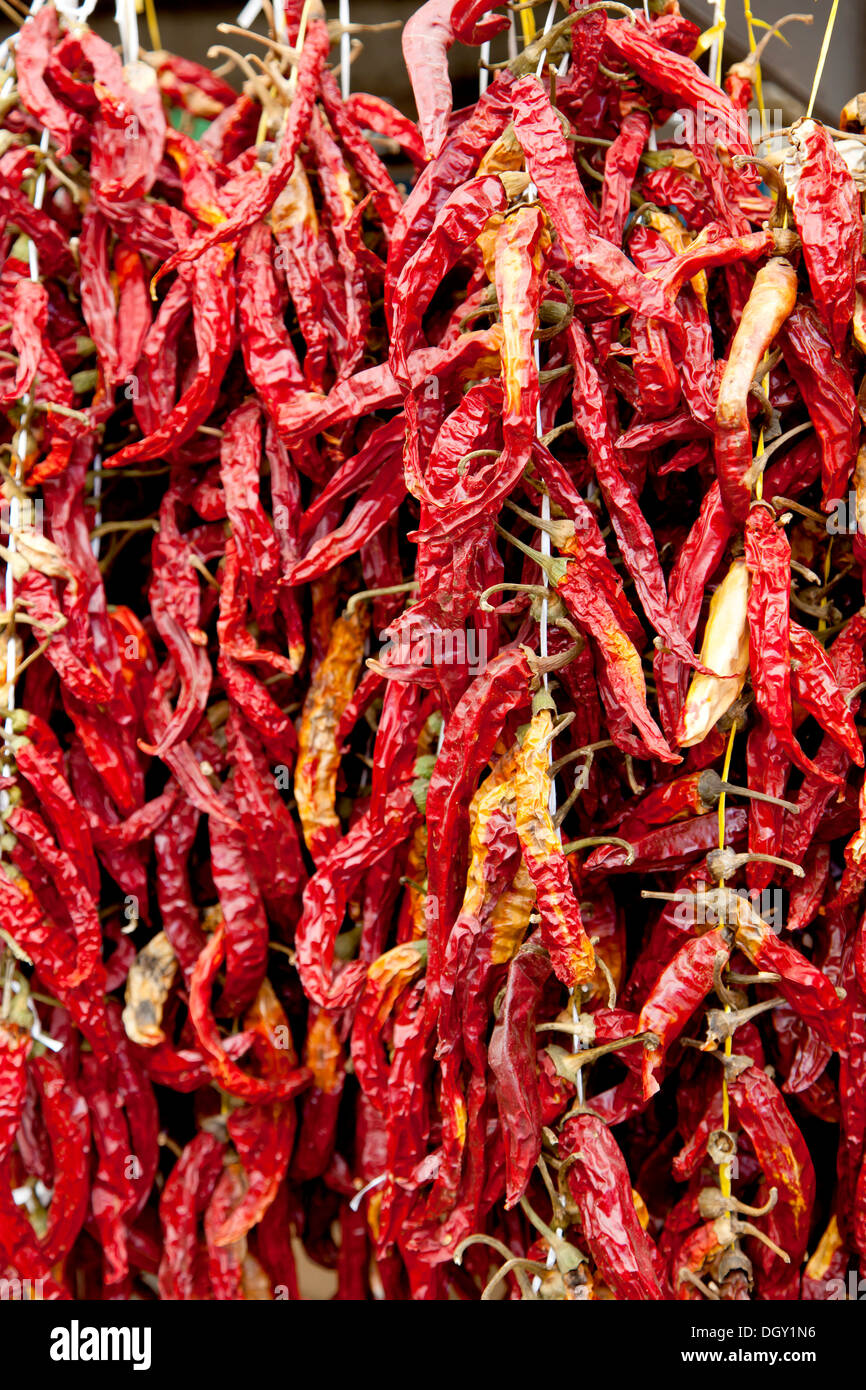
(827, 390)
(183, 1200)
(562, 931)
(262, 190)
(786, 1165)
(512, 1060)
(599, 1184)
(824, 194)
(680, 988)
(224, 1070)
(771, 302)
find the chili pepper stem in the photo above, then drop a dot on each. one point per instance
(601, 840)
(364, 594)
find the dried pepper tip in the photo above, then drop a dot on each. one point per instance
(364, 594)
(568, 1257)
(745, 68)
(688, 1276)
(733, 1064)
(536, 590)
(542, 699)
(540, 666)
(561, 531)
(721, 1146)
(516, 1265)
(733, 999)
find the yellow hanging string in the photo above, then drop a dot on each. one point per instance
(720, 19)
(724, 1168)
(822, 57)
(822, 622)
(152, 25)
(527, 24)
(759, 90)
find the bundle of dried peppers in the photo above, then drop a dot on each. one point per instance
(434, 819)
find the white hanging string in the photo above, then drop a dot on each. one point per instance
(531, 193)
(126, 19)
(345, 51)
(249, 14)
(74, 14)
(21, 446)
(20, 450)
(483, 74)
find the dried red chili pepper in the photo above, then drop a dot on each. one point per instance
(599, 1184)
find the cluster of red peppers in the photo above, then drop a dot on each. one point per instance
(434, 819)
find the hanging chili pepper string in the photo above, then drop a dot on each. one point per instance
(529, 33)
(717, 50)
(759, 90)
(345, 51)
(152, 25)
(126, 18)
(545, 499)
(724, 1166)
(20, 454)
(21, 447)
(822, 57)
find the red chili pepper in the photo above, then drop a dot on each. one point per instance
(828, 394)
(785, 1163)
(512, 1061)
(599, 1184)
(679, 990)
(825, 196)
(261, 191)
(284, 1083)
(184, 1198)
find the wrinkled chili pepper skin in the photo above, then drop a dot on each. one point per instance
(264, 189)
(786, 1165)
(826, 196)
(231, 1077)
(806, 988)
(318, 762)
(469, 740)
(311, 835)
(600, 1186)
(512, 1061)
(771, 302)
(679, 990)
(184, 1197)
(562, 931)
(828, 393)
